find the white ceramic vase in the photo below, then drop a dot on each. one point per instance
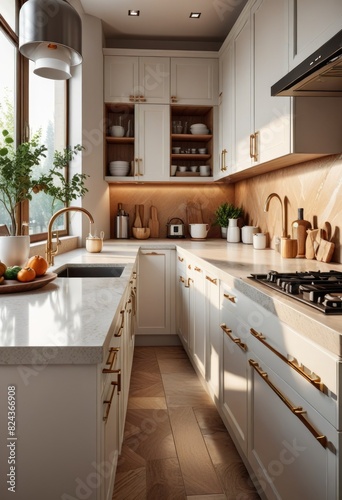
(233, 233)
(14, 250)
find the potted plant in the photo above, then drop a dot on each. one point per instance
(223, 213)
(21, 176)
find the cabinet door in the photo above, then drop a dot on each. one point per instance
(272, 123)
(152, 142)
(156, 292)
(312, 23)
(234, 366)
(226, 114)
(213, 337)
(194, 80)
(120, 78)
(197, 317)
(243, 96)
(285, 454)
(182, 302)
(154, 80)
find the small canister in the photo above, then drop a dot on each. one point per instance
(247, 234)
(259, 241)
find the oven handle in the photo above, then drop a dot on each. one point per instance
(298, 411)
(316, 382)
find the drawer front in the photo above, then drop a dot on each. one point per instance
(292, 448)
(309, 369)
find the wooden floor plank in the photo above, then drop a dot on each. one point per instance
(164, 480)
(198, 472)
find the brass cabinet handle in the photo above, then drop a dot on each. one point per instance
(119, 332)
(256, 146)
(212, 280)
(236, 341)
(109, 401)
(315, 381)
(174, 98)
(223, 160)
(198, 269)
(142, 98)
(298, 411)
(132, 98)
(113, 352)
(181, 259)
(231, 298)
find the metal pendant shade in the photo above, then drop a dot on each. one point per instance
(50, 34)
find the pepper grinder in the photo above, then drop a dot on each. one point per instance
(299, 228)
(122, 223)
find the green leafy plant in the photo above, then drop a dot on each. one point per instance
(226, 211)
(19, 179)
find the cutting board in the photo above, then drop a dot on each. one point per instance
(326, 247)
(153, 223)
(312, 243)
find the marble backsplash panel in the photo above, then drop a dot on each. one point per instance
(315, 186)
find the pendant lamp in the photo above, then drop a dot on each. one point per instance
(50, 34)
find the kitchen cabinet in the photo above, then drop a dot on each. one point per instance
(214, 341)
(148, 146)
(268, 132)
(137, 79)
(197, 316)
(183, 302)
(156, 292)
(234, 393)
(192, 150)
(312, 23)
(226, 113)
(70, 416)
(194, 81)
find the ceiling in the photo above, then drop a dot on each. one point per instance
(165, 20)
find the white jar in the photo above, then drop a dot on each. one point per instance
(259, 241)
(247, 234)
(233, 232)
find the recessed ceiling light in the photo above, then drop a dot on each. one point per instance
(195, 15)
(134, 13)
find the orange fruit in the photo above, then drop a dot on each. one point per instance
(26, 274)
(38, 263)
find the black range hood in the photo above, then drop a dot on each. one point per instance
(319, 75)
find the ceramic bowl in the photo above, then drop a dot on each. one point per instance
(182, 169)
(117, 131)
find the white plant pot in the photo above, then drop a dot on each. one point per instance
(224, 232)
(14, 250)
(233, 233)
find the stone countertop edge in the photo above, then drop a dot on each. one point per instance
(81, 329)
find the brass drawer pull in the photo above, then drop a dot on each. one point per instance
(119, 332)
(181, 259)
(212, 280)
(315, 380)
(231, 298)
(113, 352)
(198, 269)
(109, 401)
(296, 410)
(236, 341)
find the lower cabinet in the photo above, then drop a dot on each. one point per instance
(278, 393)
(70, 420)
(156, 292)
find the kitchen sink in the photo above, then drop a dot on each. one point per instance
(90, 271)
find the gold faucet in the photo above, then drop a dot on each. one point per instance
(50, 253)
(283, 217)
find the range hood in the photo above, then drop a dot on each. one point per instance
(319, 75)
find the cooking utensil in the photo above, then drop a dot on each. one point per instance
(153, 223)
(142, 214)
(141, 233)
(326, 247)
(311, 243)
(137, 221)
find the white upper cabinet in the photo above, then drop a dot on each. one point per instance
(137, 79)
(194, 81)
(312, 23)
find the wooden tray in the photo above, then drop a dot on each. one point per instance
(14, 286)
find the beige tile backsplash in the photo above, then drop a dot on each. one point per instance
(315, 186)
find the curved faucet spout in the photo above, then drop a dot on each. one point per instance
(50, 253)
(283, 221)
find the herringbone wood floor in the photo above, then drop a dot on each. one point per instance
(176, 446)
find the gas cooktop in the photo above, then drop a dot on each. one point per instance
(320, 290)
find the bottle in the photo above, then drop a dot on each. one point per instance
(299, 228)
(122, 224)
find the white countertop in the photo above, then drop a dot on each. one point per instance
(69, 319)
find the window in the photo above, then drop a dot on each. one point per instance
(30, 104)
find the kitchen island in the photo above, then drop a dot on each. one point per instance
(58, 343)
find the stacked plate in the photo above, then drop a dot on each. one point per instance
(199, 129)
(119, 168)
